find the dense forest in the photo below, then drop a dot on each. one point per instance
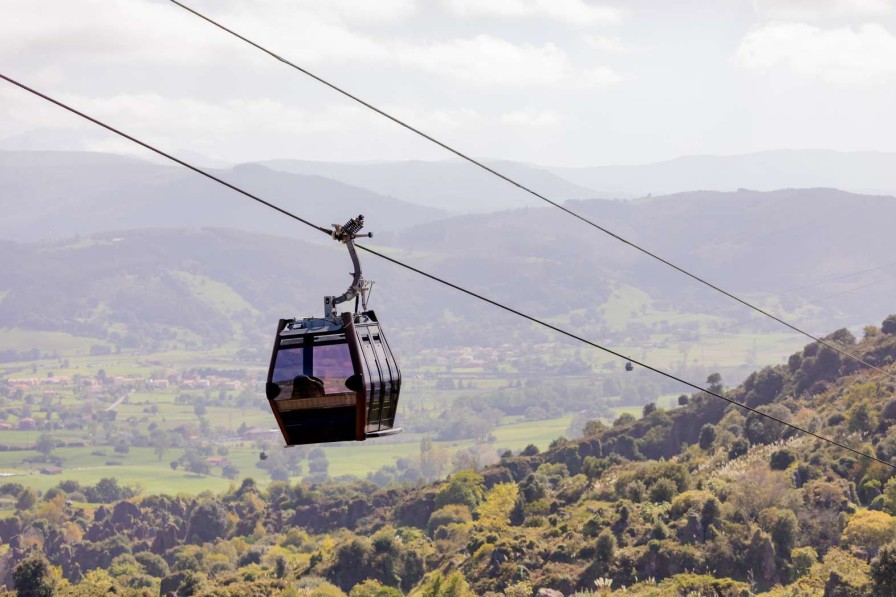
(703, 499)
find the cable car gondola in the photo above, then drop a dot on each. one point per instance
(333, 378)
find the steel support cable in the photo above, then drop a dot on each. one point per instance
(813, 302)
(525, 188)
(447, 283)
(618, 354)
(783, 291)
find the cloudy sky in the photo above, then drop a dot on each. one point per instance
(556, 82)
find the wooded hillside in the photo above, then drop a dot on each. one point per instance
(701, 499)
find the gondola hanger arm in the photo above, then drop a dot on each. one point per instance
(346, 234)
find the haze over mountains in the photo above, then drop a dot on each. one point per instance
(453, 186)
(868, 172)
(835, 244)
(445, 187)
(57, 194)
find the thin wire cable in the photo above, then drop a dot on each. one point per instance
(784, 291)
(163, 154)
(814, 302)
(451, 284)
(616, 354)
(525, 188)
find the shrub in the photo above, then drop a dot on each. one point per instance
(889, 411)
(883, 571)
(889, 325)
(707, 436)
(687, 501)
(781, 459)
(450, 514)
(803, 558)
(605, 548)
(663, 490)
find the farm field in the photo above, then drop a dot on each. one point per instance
(151, 396)
(141, 468)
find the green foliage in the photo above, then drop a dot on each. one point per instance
(889, 495)
(763, 430)
(781, 459)
(783, 527)
(519, 589)
(707, 436)
(532, 488)
(32, 577)
(463, 487)
(883, 571)
(624, 420)
(803, 558)
(530, 450)
(663, 490)
(107, 490)
(581, 515)
(494, 512)
(153, 564)
(687, 501)
(636, 491)
(861, 419)
(763, 387)
(605, 547)
(373, 588)
(454, 585)
(870, 530)
(450, 514)
(45, 444)
(738, 448)
(888, 413)
(326, 589)
(593, 467)
(889, 325)
(26, 500)
(650, 472)
(700, 584)
(209, 521)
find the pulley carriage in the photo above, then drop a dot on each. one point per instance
(334, 378)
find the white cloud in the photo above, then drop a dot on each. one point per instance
(817, 9)
(105, 32)
(577, 13)
(486, 60)
(602, 43)
(530, 118)
(164, 119)
(843, 55)
(138, 33)
(362, 11)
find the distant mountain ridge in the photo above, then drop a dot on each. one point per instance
(759, 245)
(47, 195)
(454, 186)
(861, 172)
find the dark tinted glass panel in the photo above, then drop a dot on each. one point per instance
(333, 366)
(289, 364)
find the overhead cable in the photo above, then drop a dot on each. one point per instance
(451, 284)
(527, 189)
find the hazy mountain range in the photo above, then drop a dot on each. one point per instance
(453, 186)
(823, 253)
(869, 172)
(58, 194)
(789, 250)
